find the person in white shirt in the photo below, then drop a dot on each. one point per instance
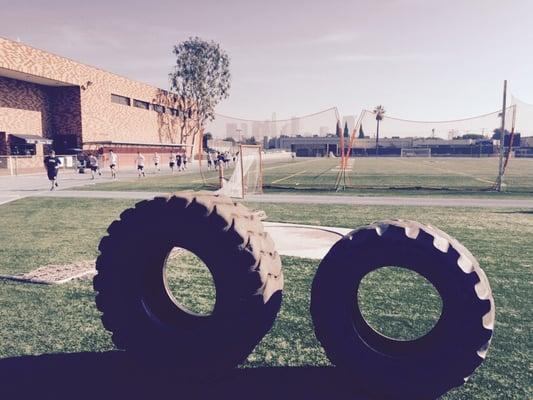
(140, 164)
(113, 164)
(209, 160)
(99, 162)
(157, 159)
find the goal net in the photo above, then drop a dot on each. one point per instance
(287, 145)
(462, 155)
(524, 117)
(236, 129)
(415, 152)
(247, 175)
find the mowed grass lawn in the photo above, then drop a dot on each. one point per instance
(368, 176)
(49, 319)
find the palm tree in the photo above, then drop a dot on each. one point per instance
(379, 111)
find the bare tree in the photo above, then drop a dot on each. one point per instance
(200, 80)
(379, 111)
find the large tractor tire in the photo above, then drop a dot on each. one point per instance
(138, 307)
(423, 368)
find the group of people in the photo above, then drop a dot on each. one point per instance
(214, 160)
(176, 162)
(52, 164)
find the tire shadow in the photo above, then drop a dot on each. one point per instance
(113, 375)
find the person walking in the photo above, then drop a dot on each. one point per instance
(157, 159)
(171, 161)
(184, 159)
(93, 165)
(220, 159)
(99, 163)
(113, 164)
(140, 164)
(209, 161)
(52, 163)
(178, 162)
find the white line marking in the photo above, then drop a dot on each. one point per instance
(290, 176)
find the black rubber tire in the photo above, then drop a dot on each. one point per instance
(424, 368)
(137, 306)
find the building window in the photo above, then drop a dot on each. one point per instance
(141, 104)
(125, 101)
(158, 108)
(23, 149)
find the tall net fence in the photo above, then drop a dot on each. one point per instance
(319, 123)
(277, 138)
(524, 117)
(460, 155)
(392, 127)
(407, 157)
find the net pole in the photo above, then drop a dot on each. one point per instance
(499, 183)
(242, 172)
(221, 174)
(200, 153)
(340, 134)
(341, 176)
(260, 169)
(511, 137)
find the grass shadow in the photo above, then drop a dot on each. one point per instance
(113, 374)
(526, 212)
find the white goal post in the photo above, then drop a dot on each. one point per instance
(416, 152)
(247, 177)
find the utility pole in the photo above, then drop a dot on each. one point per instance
(499, 182)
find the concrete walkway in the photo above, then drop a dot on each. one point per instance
(304, 240)
(17, 187)
(317, 199)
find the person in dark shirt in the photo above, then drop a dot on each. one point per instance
(52, 163)
(220, 159)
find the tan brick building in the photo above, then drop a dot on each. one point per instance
(73, 105)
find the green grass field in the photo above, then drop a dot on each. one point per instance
(49, 319)
(369, 176)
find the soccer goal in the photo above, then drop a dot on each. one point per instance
(416, 152)
(247, 178)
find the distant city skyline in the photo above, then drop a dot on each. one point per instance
(423, 60)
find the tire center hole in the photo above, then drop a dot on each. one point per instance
(190, 282)
(399, 303)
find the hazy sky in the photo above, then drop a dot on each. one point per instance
(421, 59)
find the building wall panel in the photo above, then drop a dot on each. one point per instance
(22, 107)
(100, 118)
